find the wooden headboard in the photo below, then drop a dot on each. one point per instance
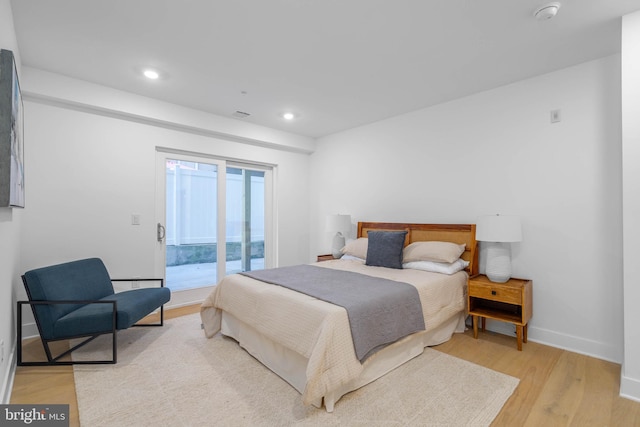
(456, 233)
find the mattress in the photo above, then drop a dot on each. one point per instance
(308, 342)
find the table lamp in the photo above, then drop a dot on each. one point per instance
(338, 224)
(498, 231)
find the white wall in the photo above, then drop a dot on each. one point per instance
(90, 172)
(90, 166)
(497, 152)
(630, 379)
(10, 225)
(80, 95)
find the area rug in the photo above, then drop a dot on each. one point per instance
(174, 376)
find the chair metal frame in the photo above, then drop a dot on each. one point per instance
(55, 360)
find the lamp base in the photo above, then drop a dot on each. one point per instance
(498, 268)
(337, 245)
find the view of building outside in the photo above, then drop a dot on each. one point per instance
(191, 223)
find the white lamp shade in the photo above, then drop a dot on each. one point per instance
(498, 228)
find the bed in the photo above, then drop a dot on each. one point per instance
(308, 342)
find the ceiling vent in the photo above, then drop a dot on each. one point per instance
(240, 115)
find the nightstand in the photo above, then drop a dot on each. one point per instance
(508, 302)
(327, 257)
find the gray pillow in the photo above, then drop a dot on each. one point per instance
(385, 248)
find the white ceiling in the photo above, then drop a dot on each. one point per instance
(336, 63)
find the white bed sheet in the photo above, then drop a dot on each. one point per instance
(291, 366)
(308, 342)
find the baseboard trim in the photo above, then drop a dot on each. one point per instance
(30, 330)
(567, 342)
(170, 306)
(7, 382)
(630, 388)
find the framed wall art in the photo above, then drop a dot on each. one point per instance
(11, 134)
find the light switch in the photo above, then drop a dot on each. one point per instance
(135, 219)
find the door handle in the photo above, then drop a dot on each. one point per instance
(160, 232)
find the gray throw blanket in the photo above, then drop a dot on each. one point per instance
(380, 311)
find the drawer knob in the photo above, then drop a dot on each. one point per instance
(494, 293)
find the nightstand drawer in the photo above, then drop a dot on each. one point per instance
(507, 302)
(495, 293)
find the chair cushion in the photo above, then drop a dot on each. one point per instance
(135, 304)
(90, 319)
(85, 279)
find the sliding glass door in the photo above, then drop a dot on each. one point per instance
(245, 219)
(213, 220)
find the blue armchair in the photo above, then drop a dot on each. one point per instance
(77, 300)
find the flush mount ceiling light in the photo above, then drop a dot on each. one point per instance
(547, 11)
(151, 74)
(288, 115)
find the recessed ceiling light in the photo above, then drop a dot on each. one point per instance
(288, 116)
(151, 74)
(547, 11)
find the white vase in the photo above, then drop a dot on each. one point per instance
(337, 245)
(498, 268)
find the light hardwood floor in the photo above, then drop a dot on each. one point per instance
(557, 387)
(55, 384)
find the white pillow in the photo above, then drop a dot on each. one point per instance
(433, 251)
(352, 258)
(438, 267)
(356, 248)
